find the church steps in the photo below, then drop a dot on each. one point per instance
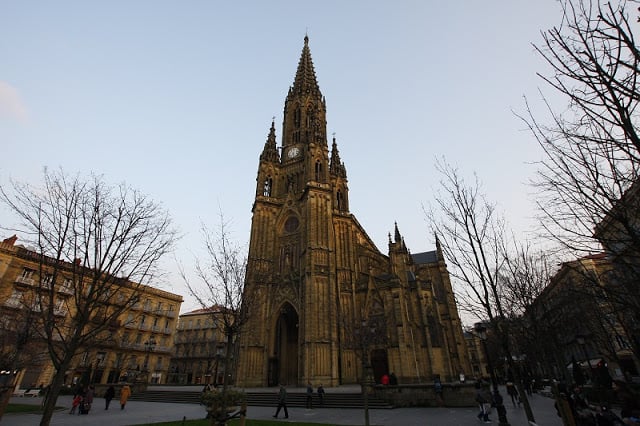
(262, 399)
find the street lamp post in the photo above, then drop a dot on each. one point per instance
(581, 340)
(481, 332)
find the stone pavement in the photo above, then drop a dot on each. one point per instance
(139, 412)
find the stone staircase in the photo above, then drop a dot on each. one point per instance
(266, 399)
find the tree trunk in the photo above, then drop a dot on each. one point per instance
(6, 390)
(54, 390)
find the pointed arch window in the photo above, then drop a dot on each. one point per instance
(268, 187)
(340, 200)
(319, 171)
(297, 117)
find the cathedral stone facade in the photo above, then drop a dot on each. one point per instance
(314, 275)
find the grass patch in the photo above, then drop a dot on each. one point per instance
(25, 408)
(233, 423)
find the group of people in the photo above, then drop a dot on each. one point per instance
(83, 398)
(389, 379)
(575, 406)
(282, 399)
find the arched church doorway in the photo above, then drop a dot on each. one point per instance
(284, 363)
(379, 364)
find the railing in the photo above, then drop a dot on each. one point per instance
(13, 303)
(25, 280)
(65, 290)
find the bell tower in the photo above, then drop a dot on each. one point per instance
(313, 273)
(292, 332)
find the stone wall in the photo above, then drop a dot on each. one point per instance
(424, 395)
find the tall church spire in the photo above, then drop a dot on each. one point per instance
(305, 81)
(305, 110)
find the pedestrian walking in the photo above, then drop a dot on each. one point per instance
(512, 391)
(483, 398)
(282, 402)
(75, 403)
(87, 400)
(309, 395)
(109, 394)
(437, 387)
(125, 393)
(321, 395)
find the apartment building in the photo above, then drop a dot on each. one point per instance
(137, 346)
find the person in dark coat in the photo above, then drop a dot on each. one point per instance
(108, 396)
(321, 395)
(282, 402)
(309, 396)
(512, 391)
(393, 379)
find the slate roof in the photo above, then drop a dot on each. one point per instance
(425, 257)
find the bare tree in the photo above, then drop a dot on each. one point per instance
(96, 247)
(20, 346)
(363, 332)
(588, 179)
(526, 274)
(219, 288)
(473, 239)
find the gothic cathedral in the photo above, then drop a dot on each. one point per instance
(315, 280)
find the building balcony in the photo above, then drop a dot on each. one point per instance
(25, 280)
(65, 290)
(60, 312)
(13, 303)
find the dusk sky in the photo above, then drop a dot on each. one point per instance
(176, 99)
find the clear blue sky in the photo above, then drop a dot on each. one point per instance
(176, 99)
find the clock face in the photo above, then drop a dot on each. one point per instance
(293, 152)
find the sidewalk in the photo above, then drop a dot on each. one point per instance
(139, 412)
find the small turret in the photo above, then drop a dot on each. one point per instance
(336, 167)
(270, 151)
(439, 254)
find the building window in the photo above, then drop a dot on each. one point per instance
(15, 300)
(47, 281)
(291, 224)
(319, 171)
(67, 284)
(27, 273)
(268, 186)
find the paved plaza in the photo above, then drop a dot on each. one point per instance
(138, 412)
